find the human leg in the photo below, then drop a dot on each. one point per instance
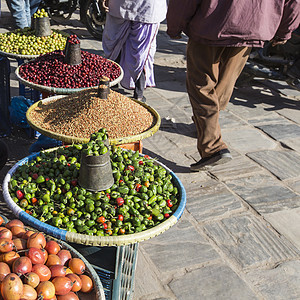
(202, 78)
(138, 56)
(139, 87)
(34, 5)
(19, 11)
(232, 63)
(211, 75)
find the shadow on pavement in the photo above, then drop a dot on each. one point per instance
(275, 99)
(181, 128)
(173, 166)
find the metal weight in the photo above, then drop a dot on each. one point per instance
(103, 87)
(42, 26)
(95, 172)
(72, 53)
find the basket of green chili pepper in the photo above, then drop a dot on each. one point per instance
(145, 199)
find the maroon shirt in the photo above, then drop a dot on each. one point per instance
(233, 22)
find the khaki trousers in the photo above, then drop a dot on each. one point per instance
(211, 76)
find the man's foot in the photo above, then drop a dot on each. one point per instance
(142, 99)
(217, 158)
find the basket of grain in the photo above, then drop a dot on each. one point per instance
(73, 118)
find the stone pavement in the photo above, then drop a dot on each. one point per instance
(239, 237)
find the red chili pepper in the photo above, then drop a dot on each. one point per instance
(121, 181)
(150, 217)
(28, 211)
(169, 203)
(108, 195)
(147, 156)
(137, 187)
(104, 225)
(19, 194)
(47, 178)
(68, 164)
(120, 217)
(120, 201)
(167, 215)
(130, 167)
(74, 182)
(141, 162)
(35, 176)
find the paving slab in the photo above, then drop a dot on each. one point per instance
(147, 284)
(246, 139)
(244, 107)
(239, 166)
(163, 89)
(294, 185)
(269, 120)
(287, 222)
(281, 282)
(229, 120)
(250, 243)
(293, 113)
(212, 200)
(283, 164)
(264, 193)
(281, 131)
(179, 248)
(293, 144)
(217, 282)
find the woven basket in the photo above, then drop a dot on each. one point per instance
(25, 56)
(62, 91)
(18, 56)
(72, 139)
(87, 239)
(98, 292)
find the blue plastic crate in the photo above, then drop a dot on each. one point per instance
(5, 127)
(115, 267)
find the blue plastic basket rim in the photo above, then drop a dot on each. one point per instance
(61, 233)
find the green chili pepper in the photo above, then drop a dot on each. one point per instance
(40, 179)
(152, 200)
(124, 189)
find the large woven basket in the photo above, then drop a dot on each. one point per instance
(98, 292)
(18, 56)
(61, 91)
(87, 239)
(71, 139)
